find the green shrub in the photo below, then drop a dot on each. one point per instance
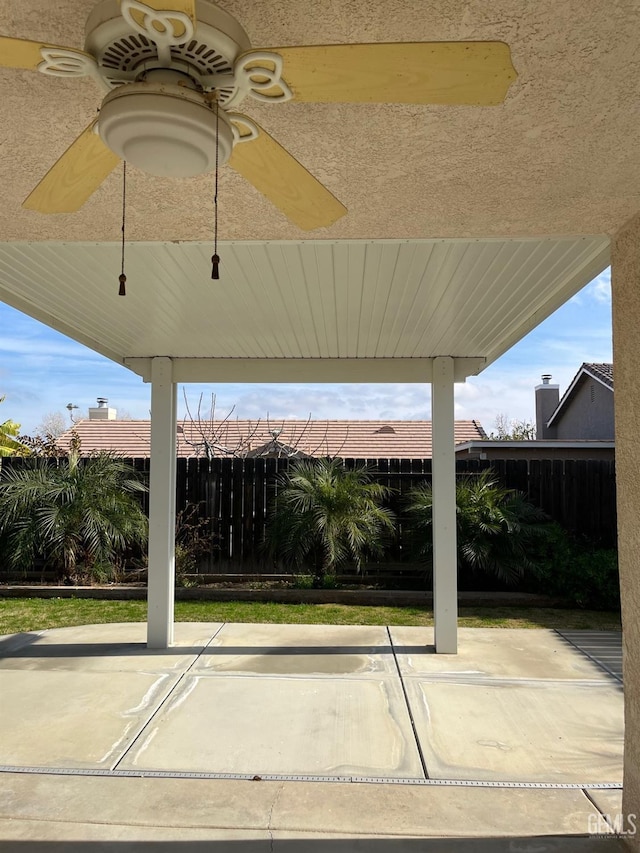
(326, 515)
(583, 575)
(497, 529)
(194, 541)
(80, 515)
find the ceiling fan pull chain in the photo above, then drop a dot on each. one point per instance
(215, 260)
(122, 278)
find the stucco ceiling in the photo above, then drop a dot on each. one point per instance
(558, 157)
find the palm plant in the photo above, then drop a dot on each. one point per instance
(79, 514)
(497, 528)
(9, 443)
(326, 515)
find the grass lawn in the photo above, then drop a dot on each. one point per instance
(32, 614)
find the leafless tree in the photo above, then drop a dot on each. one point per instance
(52, 425)
(210, 437)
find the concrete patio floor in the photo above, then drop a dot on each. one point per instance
(287, 737)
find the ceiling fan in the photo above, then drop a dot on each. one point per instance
(174, 72)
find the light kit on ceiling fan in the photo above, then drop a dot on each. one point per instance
(172, 71)
(164, 128)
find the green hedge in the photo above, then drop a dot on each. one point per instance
(586, 576)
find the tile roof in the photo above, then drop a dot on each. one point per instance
(345, 438)
(600, 370)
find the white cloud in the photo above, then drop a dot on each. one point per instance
(483, 399)
(33, 345)
(600, 288)
(598, 291)
(321, 401)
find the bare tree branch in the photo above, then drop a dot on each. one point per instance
(210, 438)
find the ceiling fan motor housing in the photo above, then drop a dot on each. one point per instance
(124, 53)
(165, 129)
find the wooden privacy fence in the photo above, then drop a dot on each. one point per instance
(236, 495)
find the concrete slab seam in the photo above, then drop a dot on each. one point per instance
(279, 790)
(408, 706)
(161, 705)
(606, 817)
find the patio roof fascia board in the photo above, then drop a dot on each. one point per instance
(298, 370)
(597, 263)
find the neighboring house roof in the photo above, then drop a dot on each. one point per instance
(538, 449)
(547, 443)
(345, 438)
(600, 371)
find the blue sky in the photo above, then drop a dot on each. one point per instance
(41, 371)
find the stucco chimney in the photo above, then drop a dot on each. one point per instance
(102, 412)
(547, 399)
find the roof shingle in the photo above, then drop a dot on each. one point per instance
(601, 370)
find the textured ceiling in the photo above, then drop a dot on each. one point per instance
(558, 157)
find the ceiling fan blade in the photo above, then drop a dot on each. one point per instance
(75, 176)
(285, 182)
(20, 53)
(476, 73)
(186, 7)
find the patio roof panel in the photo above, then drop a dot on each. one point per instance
(300, 300)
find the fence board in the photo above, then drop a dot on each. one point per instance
(248, 488)
(395, 481)
(182, 480)
(226, 489)
(383, 472)
(516, 474)
(259, 508)
(533, 486)
(238, 476)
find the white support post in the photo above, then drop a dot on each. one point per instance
(445, 574)
(162, 505)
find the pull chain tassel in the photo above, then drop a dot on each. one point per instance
(122, 278)
(215, 260)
